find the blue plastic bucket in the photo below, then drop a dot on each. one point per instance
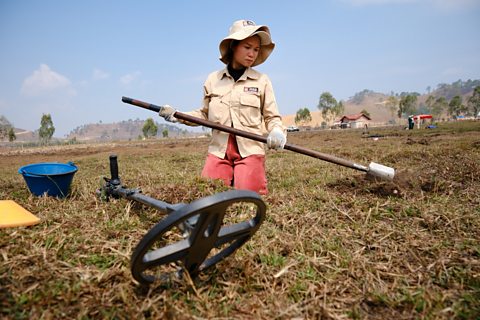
(51, 178)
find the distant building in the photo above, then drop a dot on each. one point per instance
(358, 120)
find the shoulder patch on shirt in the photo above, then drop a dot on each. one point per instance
(250, 89)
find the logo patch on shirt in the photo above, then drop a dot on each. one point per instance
(250, 89)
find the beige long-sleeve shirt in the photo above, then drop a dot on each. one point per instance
(248, 104)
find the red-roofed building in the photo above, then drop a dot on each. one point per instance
(358, 120)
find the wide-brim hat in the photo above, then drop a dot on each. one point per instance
(243, 29)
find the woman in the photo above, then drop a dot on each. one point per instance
(240, 97)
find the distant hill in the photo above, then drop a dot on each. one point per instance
(25, 135)
(22, 135)
(375, 103)
(460, 88)
(125, 130)
(372, 102)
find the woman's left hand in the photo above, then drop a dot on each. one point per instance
(276, 139)
(167, 112)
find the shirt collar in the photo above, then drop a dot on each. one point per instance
(249, 73)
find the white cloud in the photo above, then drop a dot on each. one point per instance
(99, 74)
(129, 78)
(45, 80)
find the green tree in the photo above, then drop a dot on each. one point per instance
(455, 106)
(11, 135)
(474, 101)
(392, 105)
(340, 108)
(5, 126)
(430, 102)
(149, 128)
(303, 116)
(327, 101)
(365, 112)
(329, 106)
(407, 105)
(438, 107)
(46, 128)
(165, 133)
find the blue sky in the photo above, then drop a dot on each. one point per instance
(76, 59)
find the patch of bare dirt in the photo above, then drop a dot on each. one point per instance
(423, 141)
(405, 182)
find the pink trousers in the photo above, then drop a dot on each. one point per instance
(242, 173)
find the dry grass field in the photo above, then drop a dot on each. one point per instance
(334, 244)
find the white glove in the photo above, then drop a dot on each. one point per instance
(276, 139)
(167, 112)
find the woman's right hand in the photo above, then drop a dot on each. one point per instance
(167, 112)
(276, 139)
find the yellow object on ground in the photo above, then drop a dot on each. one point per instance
(14, 215)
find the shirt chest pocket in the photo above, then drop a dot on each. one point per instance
(250, 114)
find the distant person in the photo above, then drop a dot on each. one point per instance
(411, 123)
(240, 97)
(365, 129)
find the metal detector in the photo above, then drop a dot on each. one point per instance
(192, 237)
